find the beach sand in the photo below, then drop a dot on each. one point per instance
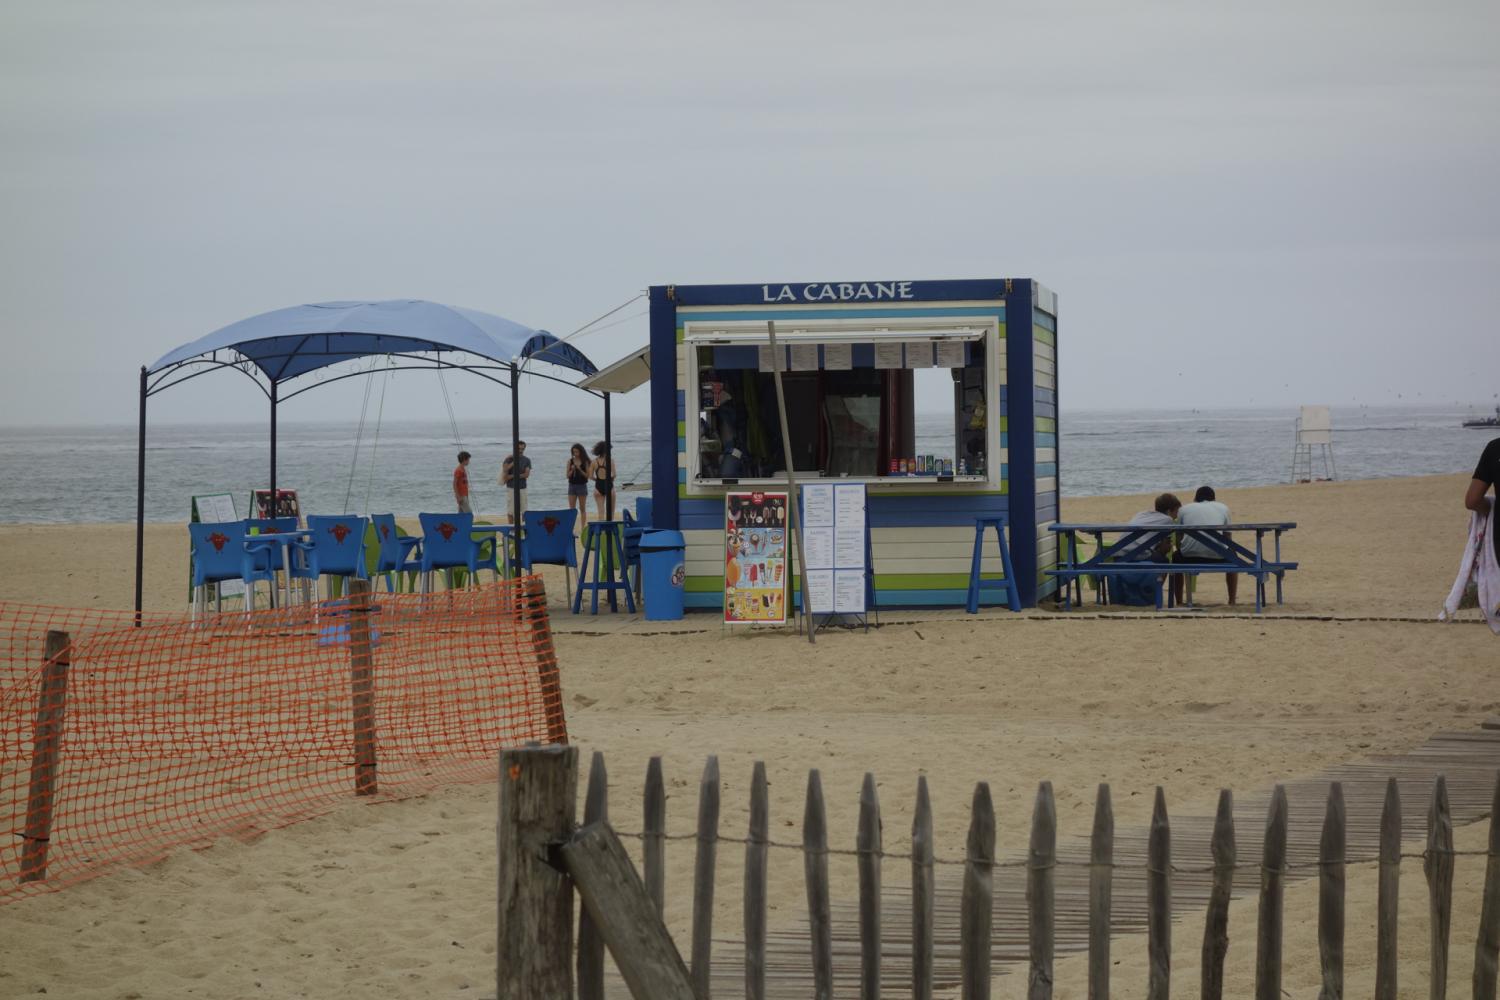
(398, 899)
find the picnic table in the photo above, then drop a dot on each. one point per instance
(1114, 557)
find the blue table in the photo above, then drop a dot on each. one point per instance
(285, 540)
(1129, 538)
(514, 546)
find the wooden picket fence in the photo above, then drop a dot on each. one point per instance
(544, 855)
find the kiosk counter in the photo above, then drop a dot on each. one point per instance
(854, 354)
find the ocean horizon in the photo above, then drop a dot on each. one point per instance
(86, 474)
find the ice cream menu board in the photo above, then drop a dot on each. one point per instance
(833, 530)
(756, 571)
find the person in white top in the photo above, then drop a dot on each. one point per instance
(1204, 510)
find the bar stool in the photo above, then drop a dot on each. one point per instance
(604, 545)
(1013, 598)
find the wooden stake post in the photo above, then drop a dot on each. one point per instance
(46, 746)
(362, 678)
(794, 516)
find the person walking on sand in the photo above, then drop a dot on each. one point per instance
(1486, 475)
(603, 474)
(577, 474)
(461, 484)
(1204, 510)
(514, 472)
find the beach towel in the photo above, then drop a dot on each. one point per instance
(1478, 583)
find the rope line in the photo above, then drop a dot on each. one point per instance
(375, 446)
(1061, 862)
(452, 421)
(359, 435)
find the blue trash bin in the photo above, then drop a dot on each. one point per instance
(665, 573)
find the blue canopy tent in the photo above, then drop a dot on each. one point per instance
(278, 347)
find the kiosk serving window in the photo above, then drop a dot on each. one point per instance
(851, 402)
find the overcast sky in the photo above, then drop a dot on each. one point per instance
(1284, 203)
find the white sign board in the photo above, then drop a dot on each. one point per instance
(833, 530)
(210, 507)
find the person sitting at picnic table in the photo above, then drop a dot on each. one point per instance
(1204, 510)
(1139, 589)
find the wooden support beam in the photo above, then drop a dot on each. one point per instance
(867, 848)
(1041, 867)
(625, 913)
(654, 843)
(1101, 893)
(1159, 902)
(704, 866)
(1216, 921)
(362, 684)
(977, 907)
(815, 869)
(1438, 867)
(1389, 893)
(538, 801)
(1331, 848)
(46, 752)
(755, 885)
(1272, 898)
(590, 940)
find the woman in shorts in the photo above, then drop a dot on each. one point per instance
(577, 474)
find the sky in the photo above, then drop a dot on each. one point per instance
(1237, 205)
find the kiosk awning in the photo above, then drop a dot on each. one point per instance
(630, 372)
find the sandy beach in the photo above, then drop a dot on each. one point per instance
(397, 899)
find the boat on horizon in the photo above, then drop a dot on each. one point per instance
(1484, 421)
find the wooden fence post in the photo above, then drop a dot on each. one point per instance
(1272, 895)
(532, 601)
(1438, 867)
(1216, 922)
(1487, 948)
(976, 913)
(590, 940)
(703, 877)
(534, 950)
(755, 885)
(1101, 893)
(1331, 849)
(1159, 901)
(654, 841)
(1389, 892)
(815, 869)
(867, 847)
(923, 894)
(1041, 863)
(362, 682)
(46, 749)
(613, 893)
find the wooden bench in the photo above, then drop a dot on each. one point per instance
(1106, 563)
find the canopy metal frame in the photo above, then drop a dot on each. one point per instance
(491, 369)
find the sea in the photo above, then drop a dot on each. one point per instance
(88, 474)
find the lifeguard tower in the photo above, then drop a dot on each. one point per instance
(1314, 432)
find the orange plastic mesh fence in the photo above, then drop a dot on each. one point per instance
(134, 741)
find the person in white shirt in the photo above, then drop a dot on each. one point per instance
(1204, 510)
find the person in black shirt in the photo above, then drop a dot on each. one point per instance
(1486, 474)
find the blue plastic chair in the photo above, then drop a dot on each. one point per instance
(633, 531)
(643, 511)
(549, 540)
(266, 525)
(447, 543)
(336, 547)
(219, 554)
(395, 549)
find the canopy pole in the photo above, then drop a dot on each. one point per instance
(609, 455)
(793, 517)
(515, 454)
(140, 502)
(272, 501)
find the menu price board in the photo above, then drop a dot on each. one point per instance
(833, 528)
(208, 507)
(756, 571)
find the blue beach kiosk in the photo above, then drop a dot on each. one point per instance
(857, 357)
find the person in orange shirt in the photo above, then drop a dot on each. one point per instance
(461, 483)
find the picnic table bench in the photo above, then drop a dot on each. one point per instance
(1106, 562)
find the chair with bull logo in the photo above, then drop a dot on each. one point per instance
(448, 543)
(218, 556)
(335, 547)
(549, 540)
